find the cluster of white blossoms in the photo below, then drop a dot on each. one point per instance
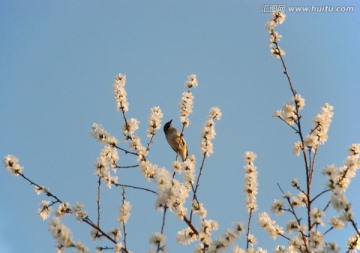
(157, 242)
(205, 233)
(339, 179)
(12, 165)
(108, 157)
(155, 119)
(171, 193)
(319, 133)
(125, 211)
(226, 240)
(237, 249)
(63, 237)
(290, 111)
(187, 100)
(353, 243)
(269, 225)
(102, 136)
(78, 211)
(187, 168)
(208, 132)
(129, 128)
(277, 18)
(251, 182)
(120, 93)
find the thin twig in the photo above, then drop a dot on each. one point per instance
(163, 220)
(134, 187)
(125, 151)
(197, 183)
(248, 228)
(126, 167)
(321, 193)
(123, 224)
(98, 202)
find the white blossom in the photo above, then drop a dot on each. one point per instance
(129, 127)
(177, 166)
(316, 239)
(157, 239)
(299, 101)
(317, 215)
(354, 243)
(45, 209)
(186, 236)
(38, 189)
(298, 146)
(79, 212)
(292, 226)
(199, 208)
(336, 222)
(277, 207)
(118, 247)
(191, 81)
(148, 169)
(287, 114)
(276, 52)
(332, 247)
(237, 249)
(63, 209)
(11, 163)
(354, 149)
(299, 200)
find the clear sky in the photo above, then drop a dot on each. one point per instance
(57, 64)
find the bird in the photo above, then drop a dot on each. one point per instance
(175, 140)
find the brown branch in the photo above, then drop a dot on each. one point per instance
(191, 226)
(86, 219)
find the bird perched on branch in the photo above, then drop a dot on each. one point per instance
(175, 140)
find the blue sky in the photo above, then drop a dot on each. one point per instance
(59, 58)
